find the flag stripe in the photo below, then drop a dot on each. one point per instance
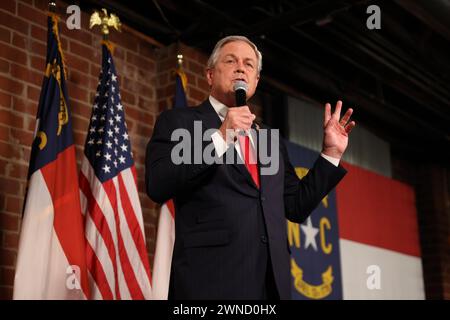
(132, 221)
(382, 202)
(65, 198)
(99, 219)
(101, 283)
(128, 272)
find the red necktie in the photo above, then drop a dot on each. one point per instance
(249, 159)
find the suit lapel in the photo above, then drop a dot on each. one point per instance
(210, 119)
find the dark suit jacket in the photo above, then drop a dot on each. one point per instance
(228, 230)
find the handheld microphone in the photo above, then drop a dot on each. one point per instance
(240, 93)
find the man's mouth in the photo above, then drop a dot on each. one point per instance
(240, 79)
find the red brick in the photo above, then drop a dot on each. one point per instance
(202, 84)
(76, 92)
(19, 41)
(21, 136)
(38, 63)
(25, 74)
(79, 138)
(79, 124)
(6, 293)
(10, 118)
(16, 170)
(119, 54)
(2, 197)
(33, 93)
(141, 62)
(12, 22)
(7, 257)
(43, 5)
(64, 44)
(9, 222)
(38, 33)
(24, 106)
(5, 34)
(5, 100)
(128, 97)
(38, 48)
(196, 67)
(30, 124)
(80, 35)
(4, 66)
(146, 91)
(74, 62)
(146, 104)
(31, 14)
(7, 150)
(12, 54)
(7, 276)
(8, 5)
(4, 134)
(11, 240)
(124, 40)
(11, 85)
(147, 50)
(82, 50)
(14, 205)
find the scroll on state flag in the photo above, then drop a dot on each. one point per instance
(165, 238)
(51, 260)
(116, 252)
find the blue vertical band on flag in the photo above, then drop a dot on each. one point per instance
(107, 145)
(315, 257)
(53, 125)
(180, 94)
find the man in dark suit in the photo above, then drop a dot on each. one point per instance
(230, 221)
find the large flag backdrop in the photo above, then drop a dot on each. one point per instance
(361, 242)
(116, 253)
(165, 237)
(51, 257)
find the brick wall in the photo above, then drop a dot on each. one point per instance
(431, 182)
(147, 86)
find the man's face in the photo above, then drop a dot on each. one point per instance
(237, 61)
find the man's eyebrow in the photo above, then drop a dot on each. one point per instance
(230, 55)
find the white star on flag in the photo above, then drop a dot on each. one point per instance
(310, 234)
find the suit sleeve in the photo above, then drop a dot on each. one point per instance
(163, 178)
(302, 196)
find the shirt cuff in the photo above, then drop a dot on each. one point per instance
(333, 160)
(219, 144)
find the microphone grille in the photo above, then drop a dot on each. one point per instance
(240, 85)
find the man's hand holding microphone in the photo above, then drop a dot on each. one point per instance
(239, 119)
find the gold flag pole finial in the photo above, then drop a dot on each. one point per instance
(52, 6)
(105, 21)
(179, 60)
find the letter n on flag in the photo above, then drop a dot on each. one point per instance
(51, 261)
(166, 226)
(116, 252)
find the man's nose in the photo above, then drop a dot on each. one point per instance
(240, 67)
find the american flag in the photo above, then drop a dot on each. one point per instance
(116, 254)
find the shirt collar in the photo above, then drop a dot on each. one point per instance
(219, 107)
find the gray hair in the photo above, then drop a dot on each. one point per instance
(215, 53)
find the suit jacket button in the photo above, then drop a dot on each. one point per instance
(263, 239)
(263, 198)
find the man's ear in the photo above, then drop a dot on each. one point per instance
(209, 76)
